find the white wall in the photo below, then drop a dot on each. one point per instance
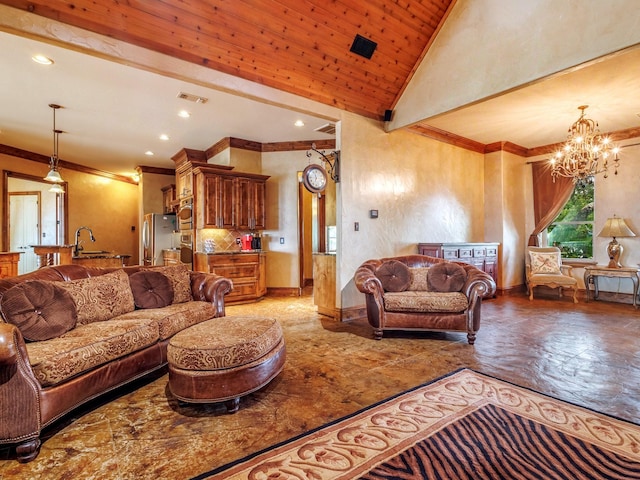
(424, 191)
(483, 50)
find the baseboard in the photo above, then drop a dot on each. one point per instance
(284, 291)
(352, 313)
(514, 290)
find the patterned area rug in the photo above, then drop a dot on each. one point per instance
(463, 426)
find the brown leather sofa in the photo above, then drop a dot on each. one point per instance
(30, 401)
(419, 307)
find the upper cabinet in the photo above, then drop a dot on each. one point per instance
(225, 199)
(222, 198)
(251, 203)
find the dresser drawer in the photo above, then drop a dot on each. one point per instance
(450, 253)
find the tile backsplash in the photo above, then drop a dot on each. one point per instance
(224, 240)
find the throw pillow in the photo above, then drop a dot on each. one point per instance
(41, 310)
(394, 276)
(101, 297)
(151, 289)
(180, 281)
(545, 262)
(446, 277)
(419, 279)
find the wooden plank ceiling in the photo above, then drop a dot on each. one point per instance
(298, 46)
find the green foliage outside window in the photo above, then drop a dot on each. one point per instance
(572, 229)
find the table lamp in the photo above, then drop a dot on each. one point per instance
(615, 227)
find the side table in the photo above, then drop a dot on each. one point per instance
(603, 271)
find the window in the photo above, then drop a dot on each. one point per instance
(572, 229)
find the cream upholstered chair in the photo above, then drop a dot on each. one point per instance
(544, 267)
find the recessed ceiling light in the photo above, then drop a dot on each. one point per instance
(149, 153)
(164, 137)
(42, 60)
(299, 123)
(184, 114)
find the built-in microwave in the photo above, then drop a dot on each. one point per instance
(185, 214)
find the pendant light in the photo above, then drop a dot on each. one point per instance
(54, 174)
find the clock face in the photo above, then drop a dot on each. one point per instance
(314, 178)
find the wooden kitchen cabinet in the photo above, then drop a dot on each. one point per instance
(247, 271)
(169, 203)
(251, 203)
(215, 200)
(229, 199)
(482, 255)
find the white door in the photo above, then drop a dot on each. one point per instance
(24, 218)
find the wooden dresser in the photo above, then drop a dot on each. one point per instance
(248, 271)
(482, 255)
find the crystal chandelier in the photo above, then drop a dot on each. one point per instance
(54, 174)
(585, 153)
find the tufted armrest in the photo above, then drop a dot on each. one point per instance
(209, 287)
(478, 282)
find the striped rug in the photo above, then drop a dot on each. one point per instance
(463, 426)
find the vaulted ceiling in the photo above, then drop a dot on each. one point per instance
(250, 49)
(299, 46)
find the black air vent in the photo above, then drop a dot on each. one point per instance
(363, 46)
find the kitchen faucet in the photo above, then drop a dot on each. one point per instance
(77, 248)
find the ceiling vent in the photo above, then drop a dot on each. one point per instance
(329, 128)
(192, 98)
(363, 46)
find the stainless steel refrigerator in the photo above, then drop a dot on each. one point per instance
(157, 234)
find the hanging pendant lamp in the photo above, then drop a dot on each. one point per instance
(54, 174)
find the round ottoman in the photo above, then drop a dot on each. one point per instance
(224, 358)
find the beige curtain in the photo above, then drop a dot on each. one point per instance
(548, 198)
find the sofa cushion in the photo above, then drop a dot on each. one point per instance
(446, 277)
(394, 276)
(40, 309)
(101, 297)
(419, 279)
(174, 318)
(425, 302)
(180, 281)
(545, 262)
(88, 346)
(151, 289)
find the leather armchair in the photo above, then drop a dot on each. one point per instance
(478, 285)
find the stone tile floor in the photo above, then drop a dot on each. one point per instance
(586, 354)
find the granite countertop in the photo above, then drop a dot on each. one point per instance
(101, 255)
(233, 252)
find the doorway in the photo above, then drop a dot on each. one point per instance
(311, 231)
(32, 215)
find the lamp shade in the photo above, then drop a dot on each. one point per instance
(616, 227)
(53, 176)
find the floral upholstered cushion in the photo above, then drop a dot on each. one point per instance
(419, 277)
(40, 309)
(394, 276)
(101, 297)
(88, 346)
(174, 318)
(180, 281)
(427, 302)
(545, 262)
(223, 343)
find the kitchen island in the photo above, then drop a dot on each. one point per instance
(100, 259)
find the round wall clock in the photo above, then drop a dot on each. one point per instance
(314, 178)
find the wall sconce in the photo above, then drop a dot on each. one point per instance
(333, 160)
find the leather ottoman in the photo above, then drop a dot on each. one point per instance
(224, 358)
